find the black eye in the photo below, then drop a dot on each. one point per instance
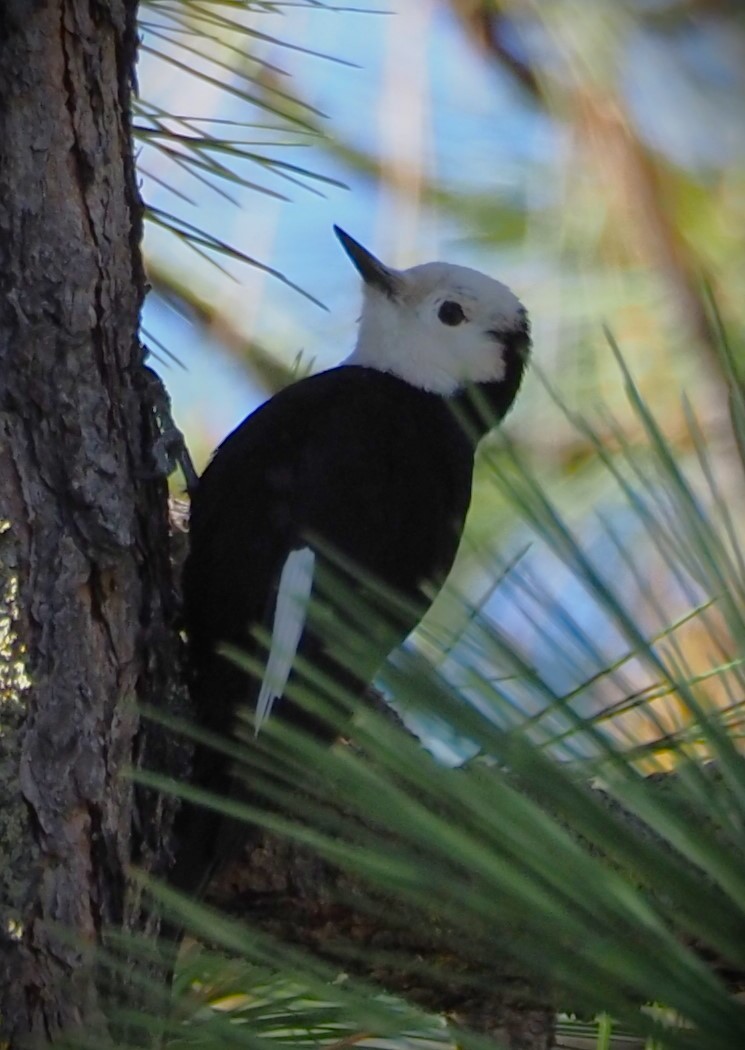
(451, 313)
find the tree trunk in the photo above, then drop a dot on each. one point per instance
(85, 582)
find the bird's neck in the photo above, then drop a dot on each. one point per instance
(483, 405)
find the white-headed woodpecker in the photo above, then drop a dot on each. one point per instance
(372, 460)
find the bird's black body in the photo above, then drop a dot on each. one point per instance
(376, 469)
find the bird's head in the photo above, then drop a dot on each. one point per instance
(442, 328)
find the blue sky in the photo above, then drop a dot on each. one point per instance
(458, 120)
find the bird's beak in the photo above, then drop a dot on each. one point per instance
(370, 269)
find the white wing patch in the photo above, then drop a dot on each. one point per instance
(293, 597)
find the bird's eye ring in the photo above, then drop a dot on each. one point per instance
(451, 313)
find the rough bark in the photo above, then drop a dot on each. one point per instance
(473, 976)
(84, 574)
(289, 892)
(476, 981)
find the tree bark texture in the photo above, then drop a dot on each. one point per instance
(290, 893)
(85, 581)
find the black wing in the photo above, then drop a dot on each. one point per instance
(377, 470)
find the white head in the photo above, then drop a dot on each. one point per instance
(439, 326)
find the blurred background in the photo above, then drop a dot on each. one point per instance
(590, 155)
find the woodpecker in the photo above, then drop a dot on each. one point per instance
(372, 460)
